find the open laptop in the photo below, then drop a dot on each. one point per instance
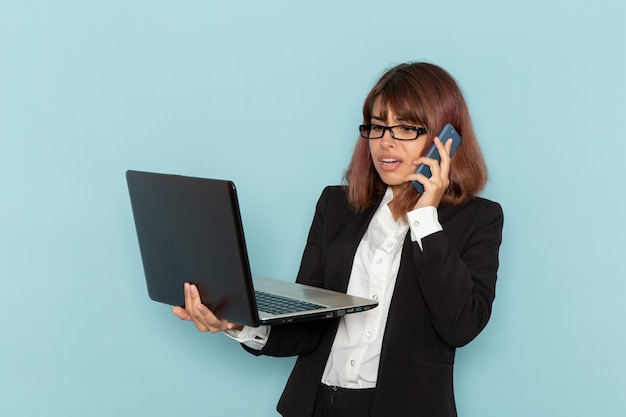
(190, 230)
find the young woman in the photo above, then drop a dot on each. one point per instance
(430, 260)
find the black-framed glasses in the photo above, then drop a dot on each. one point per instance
(400, 132)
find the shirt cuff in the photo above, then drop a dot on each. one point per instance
(253, 337)
(423, 222)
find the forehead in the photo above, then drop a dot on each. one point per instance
(384, 109)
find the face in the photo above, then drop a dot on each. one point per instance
(393, 158)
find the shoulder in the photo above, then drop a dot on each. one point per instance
(334, 192)
(333, 196)
(335, 211)
(477, 206)
(473, 216)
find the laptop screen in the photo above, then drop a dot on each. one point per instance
(189, 230)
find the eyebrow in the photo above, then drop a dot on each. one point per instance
(399, 120)
(382, 119)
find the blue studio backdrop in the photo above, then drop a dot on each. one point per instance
(269, 94)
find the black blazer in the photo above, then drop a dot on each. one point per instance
(442, 300)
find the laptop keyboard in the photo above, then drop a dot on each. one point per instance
(275, 304)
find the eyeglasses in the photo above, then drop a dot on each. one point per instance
(400, 132)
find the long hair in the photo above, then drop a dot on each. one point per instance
(424, 94)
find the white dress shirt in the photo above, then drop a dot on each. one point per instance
(355, 353)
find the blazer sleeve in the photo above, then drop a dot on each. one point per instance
(457, 269)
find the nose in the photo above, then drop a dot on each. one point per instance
(387, 141)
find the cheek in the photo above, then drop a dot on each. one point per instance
(416, 149)
(372, 147)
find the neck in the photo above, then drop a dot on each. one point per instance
(395, 211)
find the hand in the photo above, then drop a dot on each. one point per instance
(202, 317)
(435, 186)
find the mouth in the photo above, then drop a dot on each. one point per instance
(389, 163)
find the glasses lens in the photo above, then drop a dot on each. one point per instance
(365, 131)
(376, 131)
(405, 132)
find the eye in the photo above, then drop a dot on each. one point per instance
(376, 128)
(408, 129)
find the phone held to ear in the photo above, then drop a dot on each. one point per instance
(446, 133)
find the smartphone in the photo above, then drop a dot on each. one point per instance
(446, 133)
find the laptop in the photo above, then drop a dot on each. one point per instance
(190, 230)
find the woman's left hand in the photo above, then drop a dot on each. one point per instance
(437, 184)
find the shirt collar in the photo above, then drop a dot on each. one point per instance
(388, 197)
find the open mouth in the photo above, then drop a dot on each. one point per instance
(390, 163)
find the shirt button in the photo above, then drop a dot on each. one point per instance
(352, 363)
(379, 261)
(389, 244)
(368, 334)
(416, 223)
(375, 297)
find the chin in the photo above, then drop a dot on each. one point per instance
(392, 178)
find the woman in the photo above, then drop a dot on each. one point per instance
(430, 260)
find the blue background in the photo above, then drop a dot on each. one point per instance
(269, 94)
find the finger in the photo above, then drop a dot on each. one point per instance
(209, 321)
(194, 295)
(433, 165)
(181, 313)
(195, 308)
(444, 148)
(444, 154)
(234, 326)
(192, 299)
(202, 316)
(419, 177)
(187, 291)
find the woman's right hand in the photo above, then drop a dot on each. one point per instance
(435, 187)
(202, 317)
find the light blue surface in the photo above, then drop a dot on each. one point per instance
(269, 94)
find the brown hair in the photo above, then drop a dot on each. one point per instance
(423, 94)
